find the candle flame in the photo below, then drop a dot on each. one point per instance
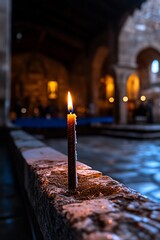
(70, 105)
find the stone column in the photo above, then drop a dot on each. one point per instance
(5, 31)
(122, 74)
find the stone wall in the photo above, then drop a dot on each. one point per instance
(100, 209)
(32, 71)
(30, 76)
(5, 15)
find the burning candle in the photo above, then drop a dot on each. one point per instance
(72, 141)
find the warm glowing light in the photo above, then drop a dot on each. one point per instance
(143, 98)
(110, 88)
(52, 89)
(111, 99)
(23, 110)
(125, 99)
(70, 105)
(133, 86)
(36, 111)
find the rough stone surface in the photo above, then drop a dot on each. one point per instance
(101, 208)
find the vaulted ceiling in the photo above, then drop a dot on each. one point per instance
(61, 29)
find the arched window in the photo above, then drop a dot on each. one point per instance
(133, 87)
(155, 66)
(107, 88)
(154, 71)
(52, 89)
(110, 88)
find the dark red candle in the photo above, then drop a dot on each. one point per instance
(72, 154)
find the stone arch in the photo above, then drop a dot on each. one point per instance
(140, 31)
(129, 57)
(149, 80)
(133, 57)
(144, 59)
(96, 69)
(155, 46)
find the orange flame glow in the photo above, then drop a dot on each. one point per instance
(70, 105)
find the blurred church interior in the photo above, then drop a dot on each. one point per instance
(105, 52)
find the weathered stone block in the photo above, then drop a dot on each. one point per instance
(101, 208)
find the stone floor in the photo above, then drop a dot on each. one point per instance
(136, 163)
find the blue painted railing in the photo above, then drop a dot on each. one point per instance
(58, 122)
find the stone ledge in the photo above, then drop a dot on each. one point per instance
(101, 209)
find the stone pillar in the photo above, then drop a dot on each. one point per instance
(5, 15)
(122, 74)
